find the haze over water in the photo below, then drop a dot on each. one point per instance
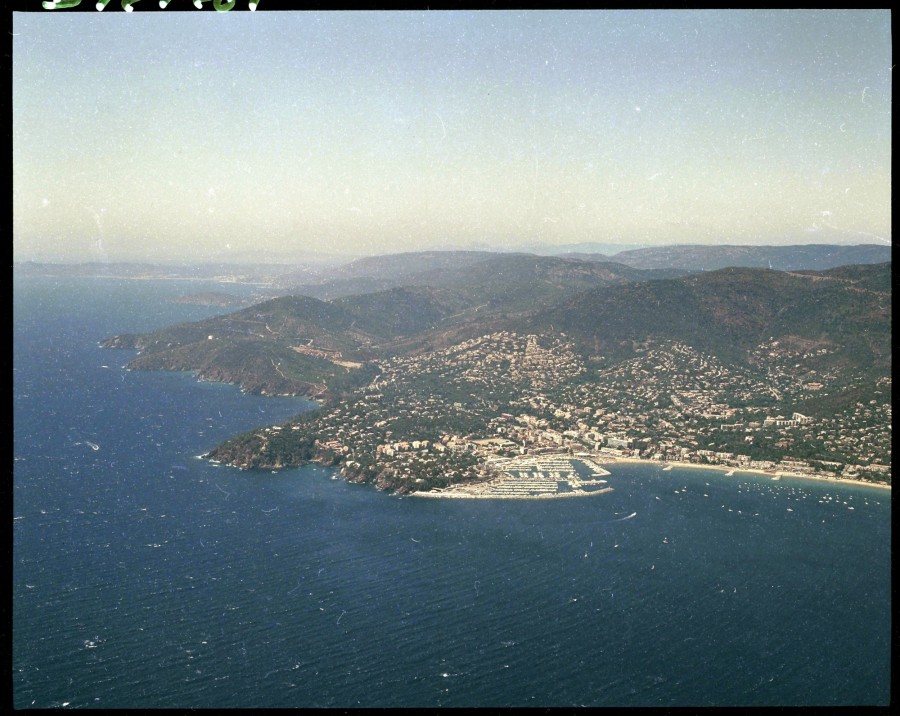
(143, 577)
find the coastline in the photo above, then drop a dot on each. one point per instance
(459, 495)
(117, 277)
(726, 468)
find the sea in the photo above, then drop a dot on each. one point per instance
(145, 577)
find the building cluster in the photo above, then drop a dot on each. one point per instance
(440, 418)
(780, 421)
(487, 361)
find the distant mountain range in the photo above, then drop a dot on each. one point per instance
(433, 268)
(508, 280)
(330, 279)
(708, 257)
(817, 257)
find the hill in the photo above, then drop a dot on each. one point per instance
(730, 312)
(510, 281)
(703, 366)
(727, 313)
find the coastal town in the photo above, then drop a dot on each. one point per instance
(456, 416)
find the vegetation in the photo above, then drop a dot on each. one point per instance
(691, 365)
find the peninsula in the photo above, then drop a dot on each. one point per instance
(427, 389)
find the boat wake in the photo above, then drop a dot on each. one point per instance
(626, 517)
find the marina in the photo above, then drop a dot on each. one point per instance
(534, 477)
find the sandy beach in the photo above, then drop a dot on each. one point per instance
(726, 468)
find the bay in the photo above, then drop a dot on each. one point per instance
(144, 577)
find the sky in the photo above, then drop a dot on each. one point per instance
(202, 136)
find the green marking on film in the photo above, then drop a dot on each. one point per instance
(127, 5)
(59, 4)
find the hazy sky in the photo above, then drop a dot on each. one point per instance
(242, 135)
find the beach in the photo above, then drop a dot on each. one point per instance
(727, 468)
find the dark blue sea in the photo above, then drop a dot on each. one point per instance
(144, 577)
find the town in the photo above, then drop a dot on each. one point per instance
(446, 417)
